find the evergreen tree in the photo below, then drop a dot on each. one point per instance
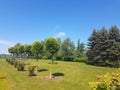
(104, 47)
(91, 45)
(114, 34)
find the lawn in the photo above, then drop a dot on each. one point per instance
(69, 76)
(4, 83)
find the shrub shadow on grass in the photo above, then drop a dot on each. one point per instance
(22, 70)
(58, 74)
(42, 70)
(32, 75)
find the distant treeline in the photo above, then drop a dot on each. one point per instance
(67, 50)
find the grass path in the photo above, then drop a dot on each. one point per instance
(70, 76)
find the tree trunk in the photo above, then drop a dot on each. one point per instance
(51, 64)
(37, 62)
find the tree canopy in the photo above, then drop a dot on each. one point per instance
(104, 47)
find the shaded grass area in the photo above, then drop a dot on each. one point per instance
(70, 76)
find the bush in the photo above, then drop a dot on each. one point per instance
(68, 58)
(11, 61)
(110, 81)
(20, 66)
(81, 59)
(7, 59)
(31, 70)
(16, 63)
(59, 57)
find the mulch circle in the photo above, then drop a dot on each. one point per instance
(52, 78)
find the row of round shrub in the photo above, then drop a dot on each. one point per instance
(20, 65)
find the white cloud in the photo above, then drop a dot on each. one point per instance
(5, 42)
(60, 34)
(4, 45)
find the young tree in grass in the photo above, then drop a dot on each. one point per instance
(12, 51)
(20, 50)
(27, 49)
(36, 49)
(16, 49)
(52, 46)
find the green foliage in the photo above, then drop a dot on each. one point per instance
(10, 60)
(59, 57)
(12, 50)
(7, 59)
(80, 49)
(51, 45)
(109, 81)
(104, 47)
(31, 70)
(27, 49)
(20, 66)
(81, 59)
(20, 49)
(68, 58)
(16, 62)
(68, 47)
(49, 48)
(37, 48)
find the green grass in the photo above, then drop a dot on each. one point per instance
(70, 76)
(4, 83)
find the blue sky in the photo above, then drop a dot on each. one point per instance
(26, 21)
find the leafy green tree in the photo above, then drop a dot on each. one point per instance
(59, 55)
(52, 46)
(11, 50)
(27, 49)
(68, 48)
(80, 49)
(20, 50)
(17, 54)
(37, 48)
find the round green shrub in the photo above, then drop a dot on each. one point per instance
(20, 66)
(31, 70)
(16, 63)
